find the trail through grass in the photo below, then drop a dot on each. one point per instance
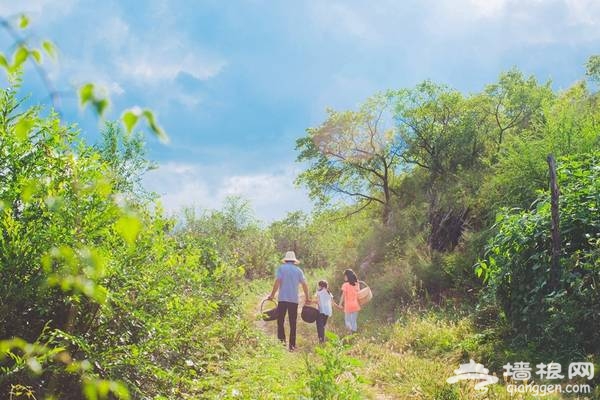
(409, 358)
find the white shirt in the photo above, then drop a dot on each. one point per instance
(325, 302)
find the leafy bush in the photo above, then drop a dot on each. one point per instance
(98, 296)
(325, 239)
(237, 235)
(518, 261)
(332, 375)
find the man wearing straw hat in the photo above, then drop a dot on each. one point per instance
(289, 276)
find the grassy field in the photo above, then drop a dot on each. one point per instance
(408, 358)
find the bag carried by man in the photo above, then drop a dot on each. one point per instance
(268, 312)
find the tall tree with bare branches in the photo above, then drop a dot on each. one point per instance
(354, 155)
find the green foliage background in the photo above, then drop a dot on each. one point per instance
(437, 198)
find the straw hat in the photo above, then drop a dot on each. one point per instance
(291, 256)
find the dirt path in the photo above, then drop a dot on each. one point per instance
(306, 334)
(306, 340)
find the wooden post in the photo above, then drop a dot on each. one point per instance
(555, 271)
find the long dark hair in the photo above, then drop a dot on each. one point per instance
(352, 279)
(324, 285)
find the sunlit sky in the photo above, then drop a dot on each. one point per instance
(234, 83)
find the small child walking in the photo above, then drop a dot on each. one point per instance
(325, 299)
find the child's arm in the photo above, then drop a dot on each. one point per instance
(341, 303)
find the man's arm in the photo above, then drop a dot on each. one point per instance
(305, 288)
(275, 288)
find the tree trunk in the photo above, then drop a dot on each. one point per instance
(387, 214)
(555, 271)
(387, 207)
(447, 227)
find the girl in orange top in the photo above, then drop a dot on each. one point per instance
(349, 300)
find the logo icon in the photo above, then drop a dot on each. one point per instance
(473, 372)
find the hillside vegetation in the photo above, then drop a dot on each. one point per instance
(438, 199)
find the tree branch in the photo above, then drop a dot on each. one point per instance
(356, 194)
(353, 212)
(54, 94)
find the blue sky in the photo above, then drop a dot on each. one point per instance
(236, 82)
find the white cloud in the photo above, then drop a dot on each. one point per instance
(155, 57)
(114, 33)
(487, 8)
(121, 56)
(43, 10)
(79, 72)
(182, 185)
(584, 12)
(430, 22)
(162, 64)
(517, 22)
(344, 20)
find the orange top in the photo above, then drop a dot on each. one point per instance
(350, 297)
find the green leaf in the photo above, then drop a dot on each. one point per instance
(23, 127)
(98, 293)
(28, 190)
(128, 227)
(119, 390)
(86, 94)
(95, 389)
(23, 21)
(154, 127)
(4, 62)
(19, 57)
(89, 390)
(37, 56)
(50, 48)
(130, 119)
(100, 106)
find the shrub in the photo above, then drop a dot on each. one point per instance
(97, 295)
(332, 375)
(517, 266)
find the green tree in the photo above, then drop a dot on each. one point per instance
(95, 288)
(353, 155)
(125, 156)
(322, 239)
(517, 266)
(563, 124)
(441, 130)
(592, 68)
(516, 104)
(238, 236)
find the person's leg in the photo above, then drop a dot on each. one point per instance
(353, 323)
(293, 315)
(281, 309)
(324, 324)
(347, 320)
(321, 320)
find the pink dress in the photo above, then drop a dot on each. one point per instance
(350, 297)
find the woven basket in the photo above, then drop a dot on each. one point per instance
(365, 294)
(309, 313)
(268, 314)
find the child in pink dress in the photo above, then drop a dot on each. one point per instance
(349, 300)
